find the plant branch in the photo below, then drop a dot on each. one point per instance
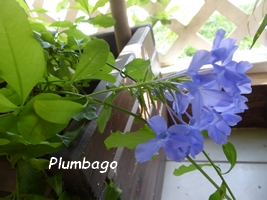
(219, 173)
(121, 72)
(206, 176)
(119, 108)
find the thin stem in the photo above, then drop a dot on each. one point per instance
(206, 176)
(119, 108)
(219, 173)
(121, 72)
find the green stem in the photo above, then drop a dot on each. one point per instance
(219, 173)
(119, 108)
(122, 72)
(206, 176)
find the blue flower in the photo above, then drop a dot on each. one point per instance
(175, 144)
(217, 125)
(223, 49)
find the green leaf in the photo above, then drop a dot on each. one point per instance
(130, 139)
(35, 129)
(105, 113)
(76, 33)
(102, 20)
(89, 113)
(63, 72)
(112, 192)
(69, 136)
(95, 55)
(30, 180)
(61, 5)
(39, 10)
(103, 118)
(259, 31)
(14, 138)
(3, 141)
(61, 24)
(132, 3)
(100, 3)
(29, 150)
(102, 76)
(32, 127)
(66, 196)
(56, 183)
(230, 153)
(6, 105)
(23, 55)
(57, 111)
(84, 4)
(39, 163)
(138, 68)
(185, 169)
(219, 194)
(33, 197)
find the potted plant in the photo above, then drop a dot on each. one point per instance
(44, 103)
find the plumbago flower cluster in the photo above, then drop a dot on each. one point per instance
(215, 97)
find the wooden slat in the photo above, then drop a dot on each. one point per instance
(186, 37)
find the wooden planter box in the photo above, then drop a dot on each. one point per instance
(137, 181)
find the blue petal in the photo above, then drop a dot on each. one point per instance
(216, 135)
(144, 151)
(231, 118)
(200, 58)
(216, 98)
(158, 124)
(177, 155)
(197, 105)
(219, 35)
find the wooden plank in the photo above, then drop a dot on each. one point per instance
(7, 177)
(186, 37)
(256, 115)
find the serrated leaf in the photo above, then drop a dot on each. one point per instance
(130, 139)
(185, 169)
(230, 153)
(39, 163)
(30, 180)
(61, 24)
(57, 111)
(23, 55)
(102, 20)
(259, 31)
(138, 68)
(6, 105)
(56, 183)
(112, 192)
(95, 55)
